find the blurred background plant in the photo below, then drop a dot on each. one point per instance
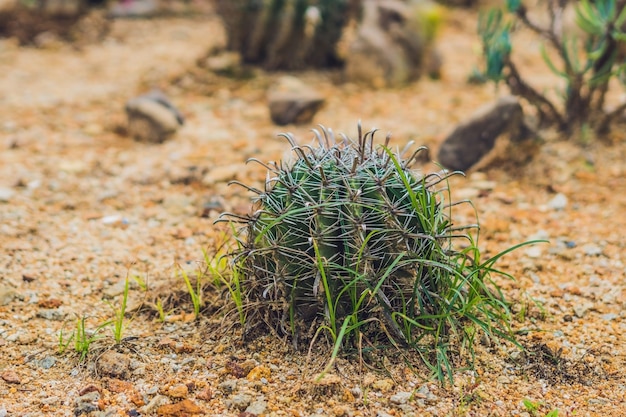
(590, 59)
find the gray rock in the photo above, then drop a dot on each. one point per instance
(581, 310)
(258, 407)
(400, 398)
(7, 295)
(113, 364)
(152, 117)
(53, 314)
(47, 362)
(6, 194)
(228, 386)
(292, 101)
(558, 202)
(591, 249)
(389, 48)
(87, 403)
(240, 401)
(475, 138)
(156, 402)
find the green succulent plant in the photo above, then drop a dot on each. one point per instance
(586, 59)
(348, 240)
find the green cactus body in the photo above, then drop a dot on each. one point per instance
(347, 240)
(352, 209)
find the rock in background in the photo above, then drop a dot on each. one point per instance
(394, 43)
(292, 101)
(473, 140)
(152, 117)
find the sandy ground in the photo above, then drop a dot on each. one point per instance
(83, 207)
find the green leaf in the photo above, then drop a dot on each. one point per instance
(548, 61)
(588, 20)
(513, 5)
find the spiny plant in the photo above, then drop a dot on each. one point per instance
(348, 242)
(285, 34)
(588, 59)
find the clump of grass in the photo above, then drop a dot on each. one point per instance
(349, 244)
(82, 337)
(119, 314)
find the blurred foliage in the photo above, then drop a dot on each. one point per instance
(587, 58)
(285, 34)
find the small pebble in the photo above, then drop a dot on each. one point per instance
(559, 202)
(6, 194)
(258, 407)
(591, 249)
(228, 386)
(113, 364)
(240, 401)
(7, 294)
(400, 398)
(534, 252)
(156, 402)
(178, 391)
(11, 377)
(47, 362)
(53, 314)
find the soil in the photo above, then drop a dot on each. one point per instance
(83, 207)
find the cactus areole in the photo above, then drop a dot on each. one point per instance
(345, 219)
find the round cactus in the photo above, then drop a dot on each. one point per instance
(345, 219)
(349, 239)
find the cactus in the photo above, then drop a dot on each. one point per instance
(349, 239)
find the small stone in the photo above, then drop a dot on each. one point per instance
(50, 303)
(257, 407)
(26, 338)
(181, 409)
(178, 391)
(47, 362)
(7, 294)
(559, 202)
(115, 290)
(6, 194)
(152, 117)
(504, 380)
(591, 249)
(581, 310)
(475, 138)
(11, 377)
(155, 403)
(258, 372)
(534, 252)
(113, 364)
(51, 314)
(609, 316)
(383, 385)
(112, 219)
(240, 401)
(292, 101)
(87, 403)
(400, 398)
(228, 386)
